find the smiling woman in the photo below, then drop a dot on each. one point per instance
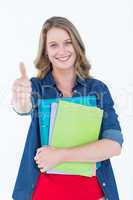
(64, 71)
(61, 42)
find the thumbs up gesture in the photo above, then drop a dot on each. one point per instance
(22, 70)
(21, 92)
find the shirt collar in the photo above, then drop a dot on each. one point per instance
(80, 81)
(49, 80)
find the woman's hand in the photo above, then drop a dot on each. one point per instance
(48, 157)
(21, 92)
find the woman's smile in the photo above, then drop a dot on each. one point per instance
(63, 58)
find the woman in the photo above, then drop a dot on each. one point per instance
(64, 71)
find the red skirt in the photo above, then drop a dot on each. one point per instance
(67, 187)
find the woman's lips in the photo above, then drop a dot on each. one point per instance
(63, 59)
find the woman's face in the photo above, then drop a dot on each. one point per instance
(60, 49)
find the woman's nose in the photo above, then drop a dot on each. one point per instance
(62, 49)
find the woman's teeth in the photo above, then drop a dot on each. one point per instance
(63, 58)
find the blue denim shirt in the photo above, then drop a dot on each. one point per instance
(110, 129)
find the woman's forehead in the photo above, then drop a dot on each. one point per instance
(57, 34)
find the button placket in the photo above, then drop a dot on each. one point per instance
(32, 185)
(60, 94)
(75, 91)
(104, 184)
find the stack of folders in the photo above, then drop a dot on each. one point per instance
(44, 110)
(73, 124)
(70, 122)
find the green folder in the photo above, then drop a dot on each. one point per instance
(75, 125)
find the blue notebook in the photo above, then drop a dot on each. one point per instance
(44, 110)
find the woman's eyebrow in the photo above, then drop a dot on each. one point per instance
(51, 42)
(68, 39)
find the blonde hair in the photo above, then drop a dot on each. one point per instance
(42, 63)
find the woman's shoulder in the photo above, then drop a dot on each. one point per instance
(101, 90)
(46, 80)
(38, 81)
(34, 79)
(36, 84)
(96, 84)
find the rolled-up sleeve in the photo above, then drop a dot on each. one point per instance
(110, 128)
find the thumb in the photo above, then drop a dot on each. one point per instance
(22, 70)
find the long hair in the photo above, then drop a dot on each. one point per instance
(42, 62)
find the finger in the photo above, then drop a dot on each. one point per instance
(24, 84)
(37, 158)
(39, 150)
(22, 70)
(40, 165)
(43, 170)
(22, 89)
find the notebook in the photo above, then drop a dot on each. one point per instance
(44, 109)
(75, 125)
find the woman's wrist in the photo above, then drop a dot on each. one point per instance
(66, 154)
(25, 110)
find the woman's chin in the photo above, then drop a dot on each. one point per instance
(63, 67)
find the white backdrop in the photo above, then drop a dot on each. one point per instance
(106, 28)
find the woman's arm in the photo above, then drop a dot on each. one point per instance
(94, 152)
(48, 157)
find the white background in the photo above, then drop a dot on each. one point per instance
(106, 29)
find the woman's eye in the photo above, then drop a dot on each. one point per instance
(53, 45)
(69, 42)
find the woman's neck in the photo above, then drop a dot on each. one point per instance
(64, 78)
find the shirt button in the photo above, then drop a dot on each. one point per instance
(75, 91)
(60, 94)
(104, 184)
